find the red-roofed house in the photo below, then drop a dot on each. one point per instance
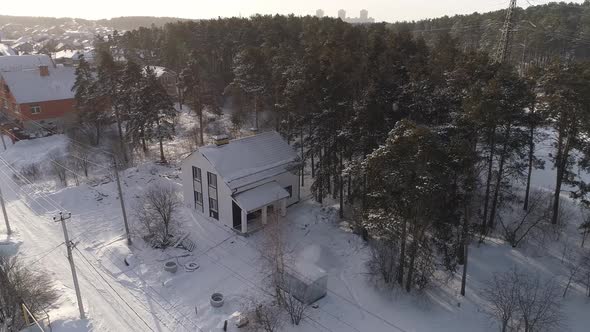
(38, 100)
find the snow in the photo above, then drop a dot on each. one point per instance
(6, 50)
(24, 62)
(243, 161)
(158, 71)
(121, 297)
(29, 86)
(260, 196)
(75, 55)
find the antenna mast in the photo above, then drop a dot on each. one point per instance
(503, 51)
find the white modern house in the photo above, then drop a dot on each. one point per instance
(240, 182)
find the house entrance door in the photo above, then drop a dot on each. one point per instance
(237, 215)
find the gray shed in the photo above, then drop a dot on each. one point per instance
(306, 282)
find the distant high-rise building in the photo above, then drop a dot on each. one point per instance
(364, 15)
(342, 14)
(319, 13)
(363, 19)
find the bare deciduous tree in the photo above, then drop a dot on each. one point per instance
(526, 222)
(31, 172)
(295, 308)
(156, 210)
(523, 303)
(501, 294)
(539, 305)
(58, 165)
(384, 260)
(264, 316)
(80, 158)
(276, 255)
(22, 285)
(584, 275)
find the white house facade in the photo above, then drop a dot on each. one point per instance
(240, 182)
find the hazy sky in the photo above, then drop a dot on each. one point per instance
(381, 10)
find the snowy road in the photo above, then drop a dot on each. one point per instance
(109, 305)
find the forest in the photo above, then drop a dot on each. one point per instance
(425, 144)
(542, 32)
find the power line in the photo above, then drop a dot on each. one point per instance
(172, 307)
(51, 202)
(114, 290)
(56, 205)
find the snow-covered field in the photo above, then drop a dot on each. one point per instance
(140, 296)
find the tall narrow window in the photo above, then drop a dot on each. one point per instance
(213, 202)
(198, 189)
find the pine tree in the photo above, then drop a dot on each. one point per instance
(566, 102)
(407, 180)
(90, 103)
(196, 88)
(155, 118)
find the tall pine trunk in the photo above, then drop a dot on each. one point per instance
(484, 222)
(562, 157)
(465, 244)
(143, 142)
(97, 133)
(412, 262)
(161, 139)
(311, 152)
(499, 177)
(402, 253)
(162, 158)
(320, 178)
(530, 166)
(201, 137)
(302, 158)
(256, 111)
(121, 141)
(341, 183)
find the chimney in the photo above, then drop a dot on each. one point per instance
(44, 71)
(220, 140)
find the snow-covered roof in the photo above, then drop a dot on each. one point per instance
(260, 196)
(247, 160)
(75, 54)
(307, 272)
(6, 50)
(24, 62)
(29, 86)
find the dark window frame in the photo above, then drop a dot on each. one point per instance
(209, 182)
(36, 107)
(289, 189)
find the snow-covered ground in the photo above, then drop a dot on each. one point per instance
(124, 288)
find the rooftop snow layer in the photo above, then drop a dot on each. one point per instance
(249, 157)
(29, 86)
(5, 50)
(260, 196)
(24, 62)
(75, 54)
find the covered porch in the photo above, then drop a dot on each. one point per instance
(251, 208)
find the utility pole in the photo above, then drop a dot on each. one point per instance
(503, 51)
(116, 169)
(69, 246)
(8, 230)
